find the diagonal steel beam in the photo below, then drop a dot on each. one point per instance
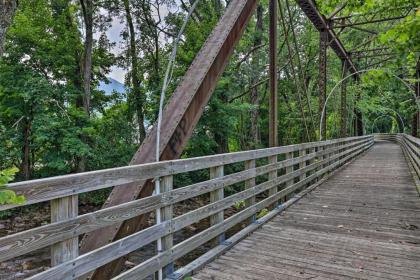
(350, 24)
(180, 116)
(322, 24)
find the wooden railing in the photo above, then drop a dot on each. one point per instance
(411, 148)
(272, 179)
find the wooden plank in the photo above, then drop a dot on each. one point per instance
(150, 266)
(27, 241)
(167, 241)
(192, 267)
(217, 172)
(250, 164)
(271, 176)
(96, 258)
(100, 259)
(33, 239)
(63, 209)
(334, 252)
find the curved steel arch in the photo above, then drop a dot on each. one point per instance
(411, 90)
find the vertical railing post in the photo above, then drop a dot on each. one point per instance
(250, 183)
(272, 176)
(302, 164)
(166, 214)
(64, 208)
(312, 161)
(289, 169)
(216, 172)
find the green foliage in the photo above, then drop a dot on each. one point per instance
(262, 213)
(8, 196)
(45, 131)
(239, 204)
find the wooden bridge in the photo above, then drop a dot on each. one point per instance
(337, 209)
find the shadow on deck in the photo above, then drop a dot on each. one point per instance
(362, 223)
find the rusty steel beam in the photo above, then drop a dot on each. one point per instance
(369, 50)
(273, 114)
(374, 13)
(322, 24)
(350, 24)
(360, 56)
(180, 116)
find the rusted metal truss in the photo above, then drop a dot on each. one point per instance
(323, 25)
(373, 14)
(180, 116)
(349, 23)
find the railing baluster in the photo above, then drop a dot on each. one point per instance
(271, 176)
(302, 164)
(166, 213)
(64, 208)
(250, 164)
(289, 169)
(216, 172)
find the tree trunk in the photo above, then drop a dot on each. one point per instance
(221, 138)
(7, 11)
(87, 8)
(254, 98)
(26, 149)
(415, 130)
(343, 113)
(136, 91)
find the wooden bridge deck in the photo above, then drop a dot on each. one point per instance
(363, 223)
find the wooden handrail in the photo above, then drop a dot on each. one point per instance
(46, 189)
(313, 162)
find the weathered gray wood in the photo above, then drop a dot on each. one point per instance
(302, 164)
(62, 209)
(166, 185)
(219, 194)
(50, 188)
(85, 263)
(96, 258)
(289, 169)
(250, 164)
(271, 176)
(27, 241)
(150, 266)
(197, 264)
(324, 235)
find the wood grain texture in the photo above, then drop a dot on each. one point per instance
(150, 266)
(30, 240)
(63, 209)
(217, 172)
(362, 223)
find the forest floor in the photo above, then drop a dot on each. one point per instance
(35, 262)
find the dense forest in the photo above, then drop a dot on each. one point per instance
(55, 118)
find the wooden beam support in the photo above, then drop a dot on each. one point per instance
(180, 116)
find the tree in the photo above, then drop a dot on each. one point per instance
(7, 11)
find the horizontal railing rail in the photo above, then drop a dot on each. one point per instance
(285, 171)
